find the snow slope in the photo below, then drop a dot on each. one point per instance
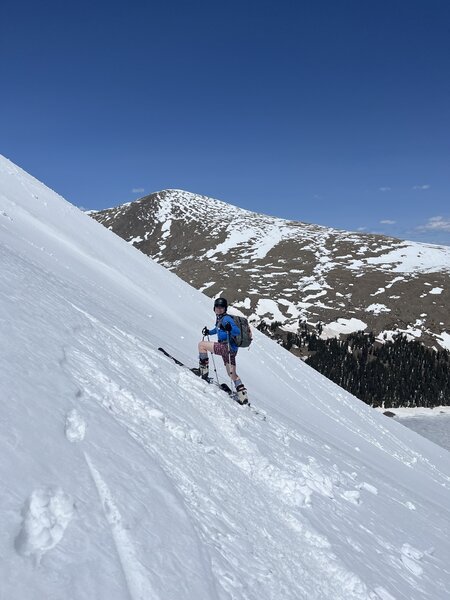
(126, 477)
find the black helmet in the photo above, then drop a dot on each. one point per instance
(221, 302)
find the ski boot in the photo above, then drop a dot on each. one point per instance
(203, 368)
(241, 392)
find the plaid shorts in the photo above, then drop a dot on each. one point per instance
(222, 350)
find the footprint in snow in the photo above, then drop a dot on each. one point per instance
(75, 428)
(46, 515)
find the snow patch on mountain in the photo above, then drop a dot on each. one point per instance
(342, 326)
(252, 242)
(444, 340)
(268, 310)
(413, 257)
(377, 308)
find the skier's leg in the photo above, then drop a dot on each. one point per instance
(230, 364)
(229, 359)
(205, 347)
(231, 370)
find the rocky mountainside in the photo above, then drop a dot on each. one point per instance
(289, 271)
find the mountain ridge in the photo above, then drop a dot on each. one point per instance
(290, 271)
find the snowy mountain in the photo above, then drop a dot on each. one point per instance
(280, 270)
(125, 476)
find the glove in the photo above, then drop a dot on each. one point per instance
(227, 327)
(205, 331)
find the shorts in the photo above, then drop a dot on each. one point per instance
(222, 350)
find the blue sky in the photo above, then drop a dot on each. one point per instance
(328, 112)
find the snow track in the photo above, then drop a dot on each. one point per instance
(139, 584)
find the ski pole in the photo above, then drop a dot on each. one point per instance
(214, 365)
(229, 360)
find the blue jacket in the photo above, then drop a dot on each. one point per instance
(222, 335)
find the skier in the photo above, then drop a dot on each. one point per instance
(225, 347)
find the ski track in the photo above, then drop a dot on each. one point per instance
(138, 583)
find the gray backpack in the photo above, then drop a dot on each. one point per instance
(244, 339)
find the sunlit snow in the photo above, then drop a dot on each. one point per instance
(125, 476)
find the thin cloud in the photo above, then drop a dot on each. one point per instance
(421, 187)
(388, 222)
(137, 190)
(436, 224)
(361, 229)
(385, 189)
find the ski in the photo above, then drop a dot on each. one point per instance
(223, 386)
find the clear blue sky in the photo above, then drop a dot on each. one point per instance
(334, 112)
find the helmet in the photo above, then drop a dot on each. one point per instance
(221, 302)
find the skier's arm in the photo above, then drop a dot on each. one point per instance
(234, 328)
(213, 331)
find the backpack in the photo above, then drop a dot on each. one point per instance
(244, 339)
